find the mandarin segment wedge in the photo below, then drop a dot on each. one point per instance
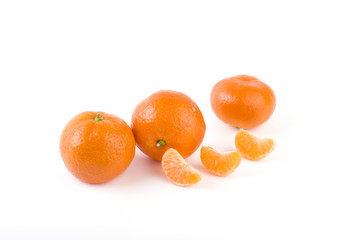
(252, 147)
(177, 170)
(219, 163)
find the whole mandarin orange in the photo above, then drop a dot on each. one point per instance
(242, 101)
(96, 146)
(168, 119)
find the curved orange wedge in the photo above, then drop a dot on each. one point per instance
(252, 147)
(218, 163)
(177, 170)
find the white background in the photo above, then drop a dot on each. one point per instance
(60, 58)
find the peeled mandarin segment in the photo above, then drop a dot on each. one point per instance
(217, 163)
(177, 170)
(252, 147)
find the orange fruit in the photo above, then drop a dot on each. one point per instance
(96, 146)
(177, 170)
(242, 101)
(251, 147)
(168, 119)
(218, 163)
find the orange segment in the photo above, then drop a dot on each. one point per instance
(177, 170)
(217, 163)
(252, 147)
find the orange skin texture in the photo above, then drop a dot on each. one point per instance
(242, 101)
(169, 116)
(97, 151)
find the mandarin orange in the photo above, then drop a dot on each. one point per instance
(242, 101)
(168, 119)
(96, 146)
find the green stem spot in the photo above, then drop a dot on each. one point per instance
(98, 118)
(160, 143)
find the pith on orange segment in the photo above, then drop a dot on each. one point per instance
(219, 163)
(243, 101)
(177, 170)
(96, 146)
(252, 147)
(168, 119)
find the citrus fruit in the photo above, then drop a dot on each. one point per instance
(177, 170)
(168, 119)
(96, 146)
(242, 101)
(219, 163)
(252, 147)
